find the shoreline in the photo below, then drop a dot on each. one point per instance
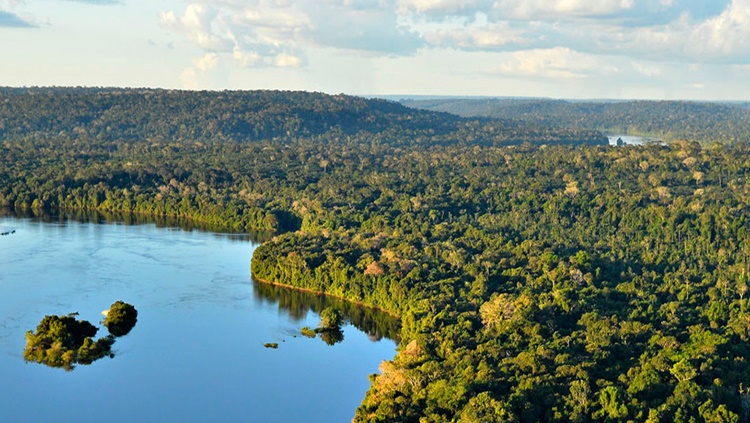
(325, 294)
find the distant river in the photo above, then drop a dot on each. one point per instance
(632, 139)
(197, 352)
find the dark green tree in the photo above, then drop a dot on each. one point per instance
(121, 318)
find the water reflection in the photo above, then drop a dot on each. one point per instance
(332, 336)
(625, 140)
(297, 304)
(130, 219)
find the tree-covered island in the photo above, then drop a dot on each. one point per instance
(64, 341)
(539, 274)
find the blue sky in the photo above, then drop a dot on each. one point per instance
(650, 49)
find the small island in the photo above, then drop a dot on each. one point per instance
(64, 341)
(329, 327)
(120, 318)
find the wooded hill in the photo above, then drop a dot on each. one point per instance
(669, 120)
(127, 115)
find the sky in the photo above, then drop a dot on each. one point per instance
(583, 49)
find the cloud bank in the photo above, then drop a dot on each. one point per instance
(439, 43)
(262, 33)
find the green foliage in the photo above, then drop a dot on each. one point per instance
(330, 318)
(121, 318)
(331, 336)
(63, 341)
(557, 283)
(298, 304)
(306, 331)
(611, 407)
(671, 120)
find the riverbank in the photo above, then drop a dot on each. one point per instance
(326, 294)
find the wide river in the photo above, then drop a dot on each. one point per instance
(197, 352)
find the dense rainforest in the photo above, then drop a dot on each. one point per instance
(702, 122)
(555, 279)
(166, 151)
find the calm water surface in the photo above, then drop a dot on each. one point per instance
(632, 140)
(196, 354)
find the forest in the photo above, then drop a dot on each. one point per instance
(703, 122)
(539, 274)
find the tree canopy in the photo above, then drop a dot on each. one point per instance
(121, 318)
(536, 278)
(703, 122)
(63, 341)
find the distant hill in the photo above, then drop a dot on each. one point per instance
(245, 116)
(669, 120)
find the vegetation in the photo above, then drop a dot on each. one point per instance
(330, 318)
(306, 331)
(121, 318)
(329, 328)
(222, 159)
(535, 281)
(297, 304)
(63, 341)
(706, 123)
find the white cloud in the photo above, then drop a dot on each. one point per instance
(442, 6)
(191, 76)
(563, 40)
(557, 9)
(285, 60)
(687, 30)
(725, 36)
(373, 31)
(260, 33)
(197, 24)
(207, 62)
(247, 59)
(266, 32)
(485, 37)
(556, 63)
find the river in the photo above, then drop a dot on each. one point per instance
(197, 352)
(632, 140)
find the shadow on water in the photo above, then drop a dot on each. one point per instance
(376, 324)
(131, 219)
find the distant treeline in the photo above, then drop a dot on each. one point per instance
(670, 120)
(169, 116)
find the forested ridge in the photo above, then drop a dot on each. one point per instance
(703, 122)
(172, 116)
(182, 154)
(534, 282)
